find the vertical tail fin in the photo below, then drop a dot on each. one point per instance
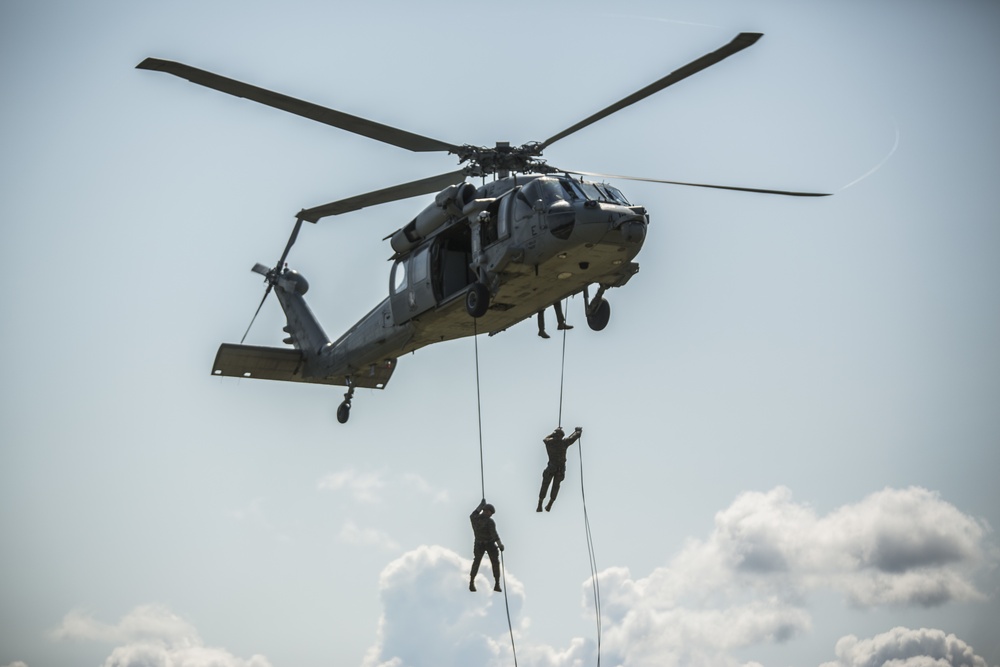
(303, 329)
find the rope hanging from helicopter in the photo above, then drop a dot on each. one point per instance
(482, 478)
(586, 518)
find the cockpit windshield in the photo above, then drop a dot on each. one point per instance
(551, 190)
(599, 192)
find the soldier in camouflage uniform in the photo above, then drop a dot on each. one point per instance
(486, 541)
(556, 446)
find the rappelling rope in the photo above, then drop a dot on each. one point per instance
(510, 626)
(586, 518)
(562, 378)
(479, 408)
(482, 477)
(593, 560)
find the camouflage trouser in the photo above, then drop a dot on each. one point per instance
(477, 555)
(553, 474)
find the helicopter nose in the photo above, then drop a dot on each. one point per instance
(633, 231)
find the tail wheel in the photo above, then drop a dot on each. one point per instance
(344, 412)
(477, 300)
(598, 319)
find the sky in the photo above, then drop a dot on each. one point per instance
(791, 433)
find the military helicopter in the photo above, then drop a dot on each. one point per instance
(475, 260)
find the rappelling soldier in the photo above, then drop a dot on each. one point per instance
(560, 320)
(556, 446)
(486, 541)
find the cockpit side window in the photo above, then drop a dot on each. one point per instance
(549, 190)
(613, 194)
(571, 193)
(591, 192)
(504, 218)
(523, 207)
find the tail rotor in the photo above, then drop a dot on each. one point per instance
(271, 275)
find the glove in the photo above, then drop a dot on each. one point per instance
(500, 546)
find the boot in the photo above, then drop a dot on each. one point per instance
(472, 585)
(539, 509)
(496, 587)
(564, 327)
(548, 506)
(541, 332)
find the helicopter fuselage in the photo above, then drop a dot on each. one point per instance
(525, 242)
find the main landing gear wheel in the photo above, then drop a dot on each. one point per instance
(601, 313)
(477, 300)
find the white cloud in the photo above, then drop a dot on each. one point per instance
(370, 487)
(902, 647)
(17, 663)
(746, 584)
(364, 487)
(420, 485)
(151, 636)
(352, 534)
(146, 622)
(152, 654)
(895, 547)
(430, 617)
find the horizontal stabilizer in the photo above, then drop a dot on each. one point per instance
(287, 365)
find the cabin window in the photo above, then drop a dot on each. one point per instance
(398, 276)
(418, 267)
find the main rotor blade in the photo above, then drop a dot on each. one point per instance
(394, 193)
(291, 242)
(702, 185)
(740, 42)
(339, 119)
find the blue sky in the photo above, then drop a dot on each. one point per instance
(791, 424)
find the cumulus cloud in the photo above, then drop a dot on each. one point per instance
(369, 487)
(895, 547)
(151, 636)
(429, 617)
(146, 622)
(746, 584)
(902, 647)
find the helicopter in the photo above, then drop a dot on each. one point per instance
(475, 260)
